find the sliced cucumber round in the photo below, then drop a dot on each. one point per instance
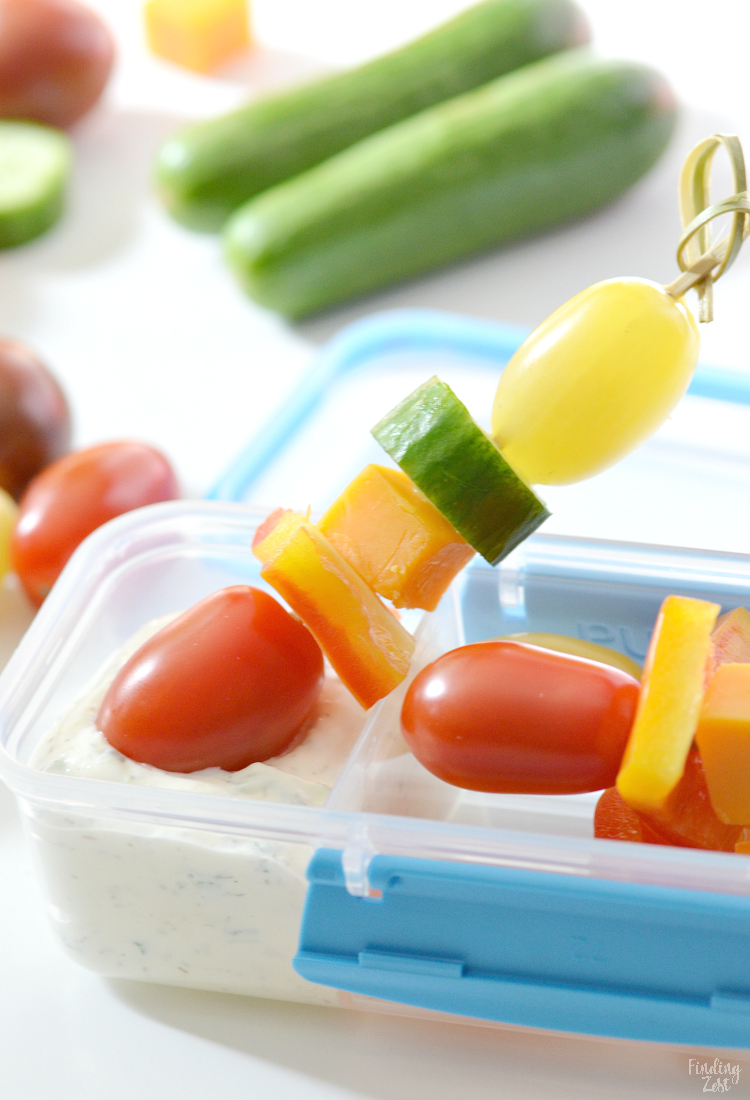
(35, 163)
(434, 440)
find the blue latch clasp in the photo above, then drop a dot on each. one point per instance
(539, 949)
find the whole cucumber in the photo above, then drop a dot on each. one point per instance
(522, 153)
(210, 168)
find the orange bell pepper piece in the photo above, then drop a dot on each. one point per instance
(363, 640)
(672, 687)
(197, 34)
(723, 737)
(395, 538)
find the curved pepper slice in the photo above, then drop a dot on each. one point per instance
(672, 687)
(275, 531)
(363, 640)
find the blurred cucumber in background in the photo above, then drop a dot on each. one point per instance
(210, 168)
(497, 124)
(516, 156)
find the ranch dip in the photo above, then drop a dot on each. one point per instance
(180, 905)
(303, 775)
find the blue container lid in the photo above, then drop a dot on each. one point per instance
(622, 960)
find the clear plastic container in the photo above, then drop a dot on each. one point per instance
(165, 886)
(199, 890)
(366, 896)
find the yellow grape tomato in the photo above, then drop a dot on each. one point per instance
(594, 380)
(8, 511)
(578, 647)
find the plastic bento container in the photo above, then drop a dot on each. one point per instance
(401, 890)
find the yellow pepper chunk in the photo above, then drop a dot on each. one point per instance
(197, 34)
(672, 687)
(275, 531)
(594, 380)
(395, 538)
(723, 737)
(363, 640)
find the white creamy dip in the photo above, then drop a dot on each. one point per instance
(132, 897)
(303, 776)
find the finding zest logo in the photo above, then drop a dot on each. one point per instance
(717, 1076)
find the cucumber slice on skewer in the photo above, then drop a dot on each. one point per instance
(35, 164)
(434, 440)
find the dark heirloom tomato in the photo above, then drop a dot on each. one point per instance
(75, 495)
(508, 717)
(230, 682)
(55, 59)
(34, 417)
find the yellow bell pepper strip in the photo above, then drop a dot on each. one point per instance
(672, 687)
(274, 532)
(723, 738)
(593, 381)
(395, 538)
(363, 640)
(197, 34)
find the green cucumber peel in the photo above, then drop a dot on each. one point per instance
(35, 164)
(529, 150)
(434, 440)
(210, 168)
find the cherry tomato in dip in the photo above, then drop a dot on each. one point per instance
(34, 417)
(55, 59)
(230, 682)
(73, 496)
(508, 717)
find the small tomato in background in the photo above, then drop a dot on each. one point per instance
(230, 682)
(508, 717)
(55, 60)
(73, 496)
(35, 422)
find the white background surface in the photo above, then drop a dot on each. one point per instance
(151, 339)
